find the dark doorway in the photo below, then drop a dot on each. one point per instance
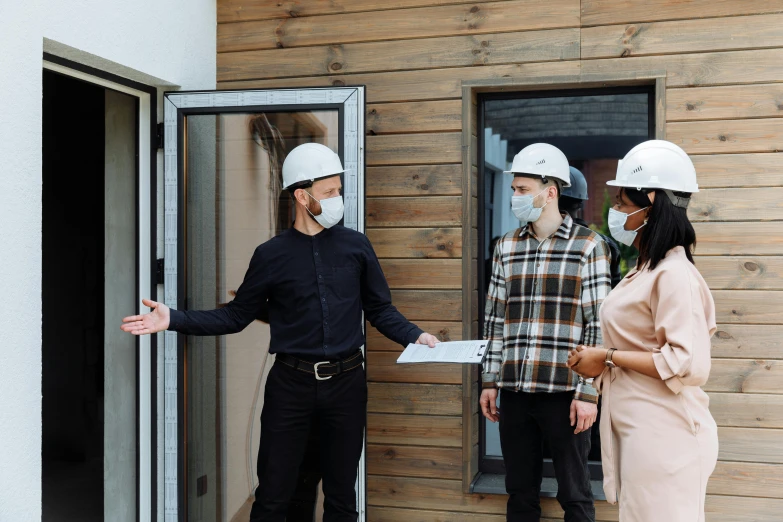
(73, 290)
(90, 273)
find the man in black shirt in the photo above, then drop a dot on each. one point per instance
(317, 277)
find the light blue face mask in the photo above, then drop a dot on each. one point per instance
(523, 209)
(617, 229)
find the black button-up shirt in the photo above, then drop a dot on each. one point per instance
(316, 287)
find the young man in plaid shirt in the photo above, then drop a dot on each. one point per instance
(548, 280)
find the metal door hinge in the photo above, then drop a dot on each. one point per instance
(159, 136)
(160, 265)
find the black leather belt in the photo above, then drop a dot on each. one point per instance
(322, 370)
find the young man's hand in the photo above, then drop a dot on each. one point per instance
(583, 415)
(489, 402)
(155, 321)
(428, 339)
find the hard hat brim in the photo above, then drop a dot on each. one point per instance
(316, 179)
(619, 184)
(563, 184)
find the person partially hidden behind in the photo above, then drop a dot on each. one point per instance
(318, 278)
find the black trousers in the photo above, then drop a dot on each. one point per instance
(293, 401)
(526, 420)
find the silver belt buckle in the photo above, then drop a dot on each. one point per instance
(318, 377)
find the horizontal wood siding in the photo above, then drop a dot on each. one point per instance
(723, 61)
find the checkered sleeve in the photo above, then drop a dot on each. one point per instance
(494, 318)
(596, 284)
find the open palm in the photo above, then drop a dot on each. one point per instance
(155, 321)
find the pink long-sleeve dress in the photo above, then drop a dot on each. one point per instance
(659, 442)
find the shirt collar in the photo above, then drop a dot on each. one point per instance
(563, 231)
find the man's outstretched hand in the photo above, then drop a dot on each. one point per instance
(428, 339)
(155, 321)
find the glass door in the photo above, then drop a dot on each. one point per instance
(224, 152)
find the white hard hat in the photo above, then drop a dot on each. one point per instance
(656, 164)
(542, 159)
(310, 162)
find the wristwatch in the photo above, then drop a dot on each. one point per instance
(609, 353)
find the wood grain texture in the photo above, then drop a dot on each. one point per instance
(747, 410)
(427, 84)
(414, 461)
(429, 305)
(416, 242)
(742, 273)
(748, 341)
(420, 430)
(748, 306)
(683, 36)
(720, 508)
(408, 149)
(737, 204)
(456, 51)
(399, 24)
(383, 367)
(443, 330)
(439, 494)
(438, 211)
(414, 180)
(720, 103)
(727, 136)
(751, 445)
(423, 273)
(389, 514)
(246, 10)
(747, 479)
(746, 376)
(604, 12)
(429, 116)
(414, 399)
(739, 170)
(738, 238)
(701, 69)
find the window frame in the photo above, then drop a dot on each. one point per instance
(473, 94)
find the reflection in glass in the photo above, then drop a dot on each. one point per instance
(234, 202)
(593, 130)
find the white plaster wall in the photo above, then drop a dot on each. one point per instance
(171, 40)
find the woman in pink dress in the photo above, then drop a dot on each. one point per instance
(659, 442)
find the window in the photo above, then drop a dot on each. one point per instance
(594, 128)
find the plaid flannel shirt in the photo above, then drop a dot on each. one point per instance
(543, 301)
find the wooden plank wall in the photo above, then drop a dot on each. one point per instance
(724, 105)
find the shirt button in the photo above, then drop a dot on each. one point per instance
(320, 276)
(323, 299)
(316, 254)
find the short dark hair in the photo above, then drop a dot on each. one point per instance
(667, 227)
(570, 205)
(301, 185)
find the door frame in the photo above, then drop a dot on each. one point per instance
(177, 105)
(146, 284)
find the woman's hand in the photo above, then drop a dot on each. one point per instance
(587, 362)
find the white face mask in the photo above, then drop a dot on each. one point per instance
(617, 229)
(523, 209)
(331, 211)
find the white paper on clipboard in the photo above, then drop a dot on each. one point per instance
(462, 352)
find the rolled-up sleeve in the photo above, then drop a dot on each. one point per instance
(494, 319)
(679, 303)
